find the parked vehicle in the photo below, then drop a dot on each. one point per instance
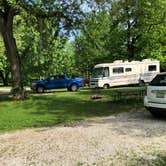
(124, 73)
(57, 81)
(155, 101)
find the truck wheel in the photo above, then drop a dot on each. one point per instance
(40, 89)
(106, 86)
(73, 87)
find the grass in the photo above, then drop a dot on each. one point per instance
(57, 107)
(158, 160)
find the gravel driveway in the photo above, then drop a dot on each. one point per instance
(131, 138)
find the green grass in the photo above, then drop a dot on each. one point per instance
(57, 107)
(158, 160)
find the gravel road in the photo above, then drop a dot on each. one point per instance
(131, 138)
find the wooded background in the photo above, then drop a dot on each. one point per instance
(44, 37)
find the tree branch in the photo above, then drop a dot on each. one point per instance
(39, 12)
(154, 24)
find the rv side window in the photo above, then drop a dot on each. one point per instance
(101, 72)
(106, 72)
(128, 69)
(118, 70)
(152, 67)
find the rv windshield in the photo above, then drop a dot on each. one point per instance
(101, 72)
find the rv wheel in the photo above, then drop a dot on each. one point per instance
(141, 83)
(106, 86)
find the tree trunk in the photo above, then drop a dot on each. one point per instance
(130, 50)
(130, 44)
(6, 29)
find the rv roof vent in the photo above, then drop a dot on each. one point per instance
(118, 61)
(126, 61)
(146, 60)
(134, 61)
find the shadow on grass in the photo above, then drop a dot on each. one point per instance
(49, 109)
(66, 109)
(5, 97)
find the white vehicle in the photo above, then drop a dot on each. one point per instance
(124, 73)
(155, 101)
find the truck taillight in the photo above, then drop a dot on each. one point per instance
(83, 82)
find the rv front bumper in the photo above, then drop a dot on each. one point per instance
(94, 84)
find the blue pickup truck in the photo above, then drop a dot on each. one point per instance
(57, 81)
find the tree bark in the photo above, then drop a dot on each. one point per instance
(6, 23)
(130, 41)
(130, 50)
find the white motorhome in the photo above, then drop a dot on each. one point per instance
(124, 73)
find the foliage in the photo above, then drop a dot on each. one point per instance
(47, 54)
(91, 44)
(50, 53)
(143, 27)
(4, 65)
(64, 16)
(123, 29)
(3, 58)
(131, 30)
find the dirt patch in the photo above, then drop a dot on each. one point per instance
(132, 138)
